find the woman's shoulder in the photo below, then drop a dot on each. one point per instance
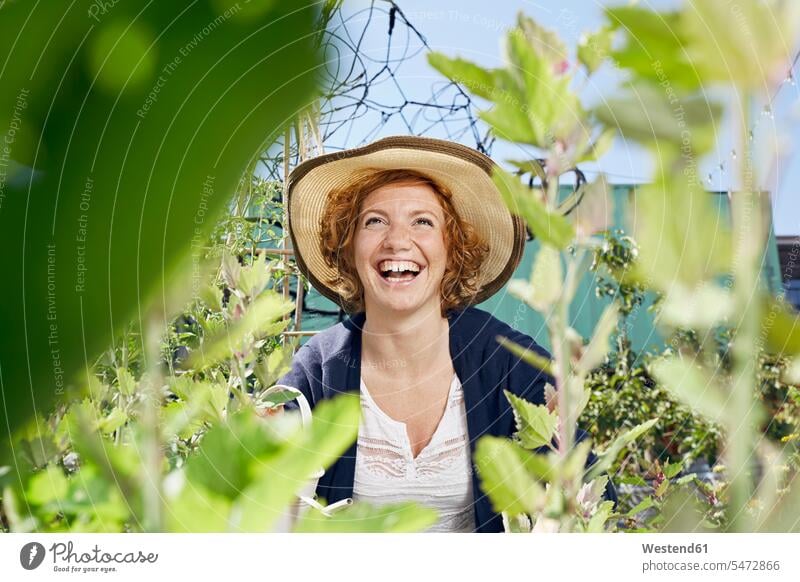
(326, 354)
(335, 339)
(471, 320)
(472, 324)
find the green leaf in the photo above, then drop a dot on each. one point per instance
(546, 278)
(120, 467)
(791, 374)
(46, 486)
(545, 43)
(599, 147)
(532, 357)
(274, 366)
(607, 458)
(253, 278)
(549, 228)
(211, 295)
(646, 114)
(781, 326)
(746, 46)
(19, 520)
(407, 517)
(536, 425)
(231, 270)
(127, 178)
(126, 382)
(533, 167)
(202, 403)
(476, 79)
(509, 117)
(40, 447)
(120, 56)
(532, 98)
(275, 396)
(553, 110)
(597, 524)
(691, 385)
(574, 467)
(595, 352)
(277, 480)
(690, 478)
(594, 213)
(180, 419)
(223, 463)
(682, 513)
(258, 321)
(579, 394)
(671, 470)
(333, 429)
(510, 122)
(115, 419)
(505, 479)
(781, 517)
(594, 48)
(538, 465)
(653, 46)
(197, 510)
(98, 496)
(701, 307)
(80, 416)
(662, 233)
(644, 504)
(633, 480)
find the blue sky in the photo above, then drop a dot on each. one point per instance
(473, 29)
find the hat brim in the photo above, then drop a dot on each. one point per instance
(466, 172)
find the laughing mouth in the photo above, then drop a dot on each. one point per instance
(399, 271)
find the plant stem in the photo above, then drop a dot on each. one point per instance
(748, 247)
(242, 372)
(153, 456)
(558, 337)
(559, 318)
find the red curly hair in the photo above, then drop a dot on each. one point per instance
(466, 251)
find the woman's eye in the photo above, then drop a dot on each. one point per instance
(372, 220)
(425, 221)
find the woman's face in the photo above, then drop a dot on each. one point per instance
(399, 248)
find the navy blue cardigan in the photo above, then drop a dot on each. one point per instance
(330, 363)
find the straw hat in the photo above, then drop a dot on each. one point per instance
(466, 172)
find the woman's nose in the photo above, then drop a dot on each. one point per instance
(398, 236)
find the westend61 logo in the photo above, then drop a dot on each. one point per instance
(66, 559)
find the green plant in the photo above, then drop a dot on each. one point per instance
(664, 107)
(533, 103)
(714, 283)
(622, 392)
(218, 461)
(145, 143)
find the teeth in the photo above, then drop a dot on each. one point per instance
(397, 266)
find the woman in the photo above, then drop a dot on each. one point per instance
(405, 234)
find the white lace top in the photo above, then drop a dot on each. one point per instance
(441, 475)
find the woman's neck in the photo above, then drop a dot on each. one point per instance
(409, 344)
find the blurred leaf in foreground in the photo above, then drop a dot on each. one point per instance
(135, 125)
(364, 518)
